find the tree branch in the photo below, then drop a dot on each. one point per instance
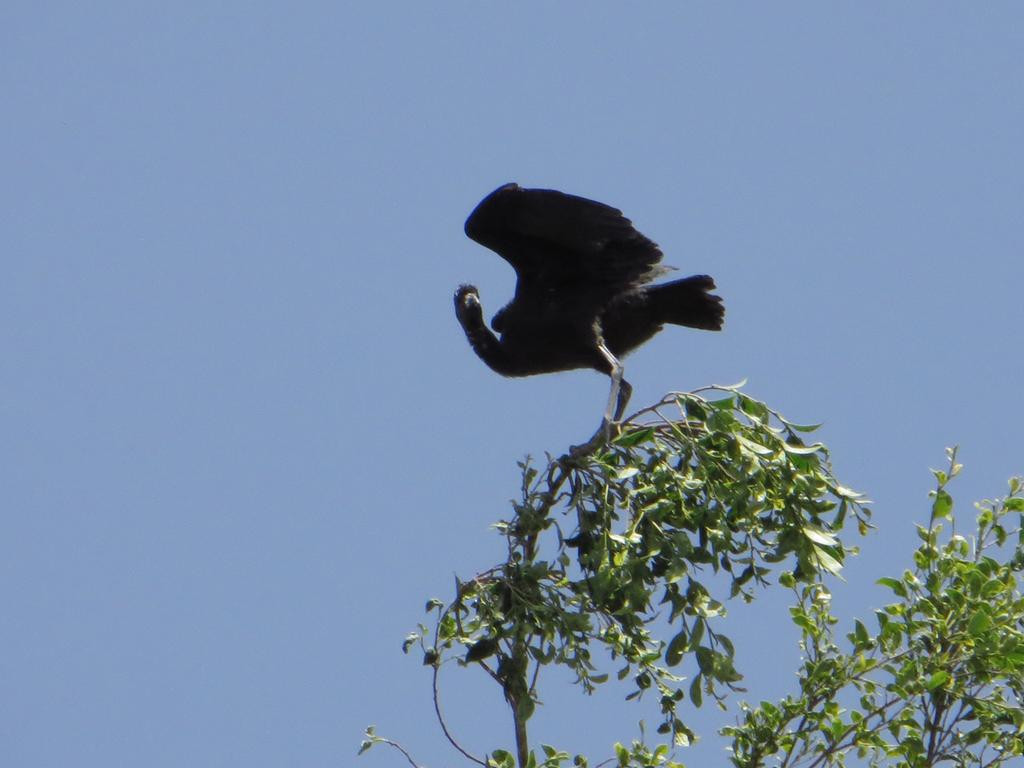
(444, 726)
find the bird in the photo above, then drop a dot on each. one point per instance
(584, 296)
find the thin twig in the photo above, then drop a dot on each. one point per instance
(399, 747)
(444, 726)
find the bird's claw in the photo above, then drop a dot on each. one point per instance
(607, 432)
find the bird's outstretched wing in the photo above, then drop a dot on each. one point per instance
(563, 244)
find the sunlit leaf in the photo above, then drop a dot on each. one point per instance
(942, 505)
(1014, 504)
(819, 536)
(827, 561)
(801, 450)
(937, 680)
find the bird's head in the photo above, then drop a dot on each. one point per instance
(467, 304)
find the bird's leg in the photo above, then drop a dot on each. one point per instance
(625, 392)
(618, 397)
(619, 394)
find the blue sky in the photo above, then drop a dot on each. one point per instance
(243, 438)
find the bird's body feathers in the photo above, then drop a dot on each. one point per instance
(583, 296)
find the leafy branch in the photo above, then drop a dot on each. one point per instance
(942, 678)
(702, 497)
(620, 558)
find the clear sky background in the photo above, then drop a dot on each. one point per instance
(242, 438)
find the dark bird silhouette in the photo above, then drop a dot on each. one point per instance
(583, 298)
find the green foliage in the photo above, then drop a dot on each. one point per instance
(676, 516)
(621, 558)
(940, 681)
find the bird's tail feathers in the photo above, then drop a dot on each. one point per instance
(688, 302)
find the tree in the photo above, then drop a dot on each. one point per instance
(626, 553)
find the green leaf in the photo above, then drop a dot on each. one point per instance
(943, 505)
(979, 624)
(937, 680)
(1014, 504)
(705, 660)
(696, 695)
(725, 671)
(802, 450)
(802, 620)
(622, 754)
(634, 437)
(755, 448)
(738, 385)
(860, 632)
(827, 561)
(754, 408)
(895, 585)
(847, 493)
(819, 536)
(676, 648)
(697, 633)
(802, 427)
(727, 645)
